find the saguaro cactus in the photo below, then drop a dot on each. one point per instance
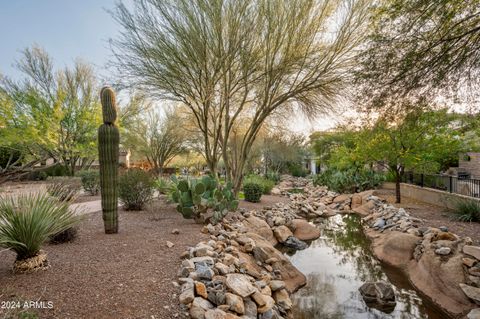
(108, 149)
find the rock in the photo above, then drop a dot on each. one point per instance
(277, 285)
(222, 268)
(394, 248)
(196, 312)
(259, 299)
(282, 299)
(215, 314)
(443, 228)
(474, 280)
(474, 314)
(303, 230)
(379, 295)
(282, 233)
(240, 284)
(472, 251)
(469, 262)
(202, 303)
(169, 244)
(295, 243)
(250, 309)
(175, 231)
(203, 271)
(341, 198)
(443, 251)
(188, 294)
(201, 289)
(235, 303)
(269, 303)
(471, 292)
(356, 201)
(444, 236)
(475, 270)
(260, 227)
(379, 223)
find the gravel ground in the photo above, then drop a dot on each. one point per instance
(434, 216)
(127, 275)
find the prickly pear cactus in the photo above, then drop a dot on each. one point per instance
(196, 196)
(108, 151)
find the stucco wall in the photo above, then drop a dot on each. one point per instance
(472, 166)
(429, 195)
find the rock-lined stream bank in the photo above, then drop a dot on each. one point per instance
(239, 273)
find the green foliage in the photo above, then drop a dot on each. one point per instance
(266, 184)
(135, 189)
(467, 211)
(108, 152)
(252, 192)
(64, 191)
(164, 185)
(297, 170)
(57, 170)
(196, 196)
(273, 176)
(90, 181)
(348, 181)
(27, 221)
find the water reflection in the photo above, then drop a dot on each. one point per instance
(336, 265)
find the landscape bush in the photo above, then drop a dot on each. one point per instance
(467, 211)
(297, 170)
(348, 181)
(90, 181)
(273, 176)
(135, 189)
(252, 192)
(66, 236)
(27, 222)
(266, 183)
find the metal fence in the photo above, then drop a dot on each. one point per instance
(452, 184)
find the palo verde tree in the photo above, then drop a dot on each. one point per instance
(421, 48)
(233, 60)
(50, 113)
(158, 137)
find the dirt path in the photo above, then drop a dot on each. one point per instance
(434, 216)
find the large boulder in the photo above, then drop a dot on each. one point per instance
(282, 233)
(379, 295)
(393, 248)
(438, 277)
(260, 227)
(264, 251)
(303, 230)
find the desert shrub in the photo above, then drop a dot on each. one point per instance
(266, 184)
(467, 211)
(36, 175)
(66, 236)
(297, 170)
(135, 189)
(27, 221)
(273, 176)
(348, 181)
(90, 181)
(57, 170)
(252, 192)
(62, 190)
(164, 185)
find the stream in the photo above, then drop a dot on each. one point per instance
(337, 264)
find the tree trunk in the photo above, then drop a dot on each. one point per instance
(398, 195)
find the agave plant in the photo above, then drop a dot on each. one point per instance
(27, 221)
(63, 191)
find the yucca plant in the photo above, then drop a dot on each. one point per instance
(467, 211)
(63, 191)
(27, 221)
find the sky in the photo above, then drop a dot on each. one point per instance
(70, 29)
